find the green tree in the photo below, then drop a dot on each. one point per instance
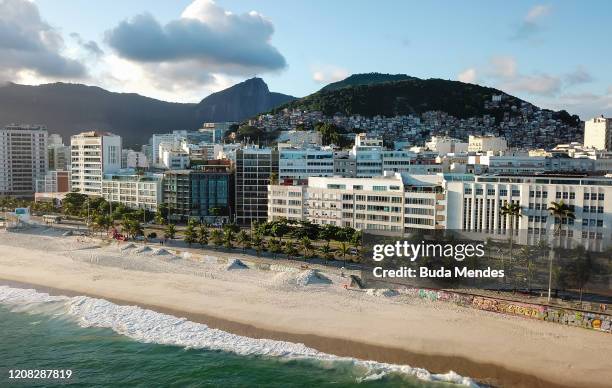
(290, 249)
(274, 246)
(217, 237)
(306, 245)
(326, 252)
(203, 235)
(343, 251)
(190, 235)
(228, 239)
(170, 231)
(243, 239)
(561, 213)
(258, 243)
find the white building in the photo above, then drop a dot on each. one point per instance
(598, 133)
(170, 138)
(93, 154)
(172, 157)
(388, 203)
(296, 165)
(133, 159)
(446, 145)
(23, 159)
(487, 143)
(466, 203)
(133, 190)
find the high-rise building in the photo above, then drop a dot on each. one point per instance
(598, 133)
(58, 153)
(93, 154)
(205, 193)
(23, 159)
(254, 169)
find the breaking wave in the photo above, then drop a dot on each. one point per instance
(152, 327)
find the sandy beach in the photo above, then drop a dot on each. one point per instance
(310, 308)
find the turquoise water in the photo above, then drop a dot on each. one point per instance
(101, 357)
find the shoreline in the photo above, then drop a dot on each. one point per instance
(491, 348)
(483, 373)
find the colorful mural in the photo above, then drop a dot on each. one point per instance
(588, 320)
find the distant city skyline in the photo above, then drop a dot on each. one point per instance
(551, 54)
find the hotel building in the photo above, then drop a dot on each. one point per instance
(93, 154)
(399, 203)
(23, 159)
(133, 190)
(254, 169)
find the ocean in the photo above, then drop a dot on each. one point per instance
(104, 344)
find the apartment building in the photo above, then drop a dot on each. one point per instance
(443, 145)
(392, 203)
(204, 194)
(478, 199)
(598, 133)
(133, 159)
(93, 154)
(23, 159)
(296, 165)
(466, 203)
(54, 181)
(58, 153)
(254, 169)
(487, 143)
(135, 191)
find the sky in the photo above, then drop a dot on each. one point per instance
(553, 54)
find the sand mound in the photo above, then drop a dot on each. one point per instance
(235, 264)
(127, 246)
(144, 249)
(382, 292)
(161, 252)
(301, 279)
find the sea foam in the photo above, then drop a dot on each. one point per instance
(152, 327)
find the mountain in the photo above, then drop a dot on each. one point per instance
(240, 101)
(366, 79)
(389, 95)
(71, 108)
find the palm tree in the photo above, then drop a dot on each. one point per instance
(258, 243)
(217, 237)
(326, 251)
(343, 251)
(511, 210)
(306, 245)
(228, 238)
(190, 236)
(170, 231)
(274, 246)
(560, 212)
(290, 249)
(243, 239)
(203, 235)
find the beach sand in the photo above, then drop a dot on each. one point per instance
(494, 348)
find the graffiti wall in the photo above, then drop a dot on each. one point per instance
(588, 320)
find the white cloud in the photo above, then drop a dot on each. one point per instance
(542, 84)
(467, 76)
(503, 66)
(536, 12)
(30, 47)
(328, 73)
(530, 25)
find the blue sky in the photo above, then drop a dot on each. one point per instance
(551, 53)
